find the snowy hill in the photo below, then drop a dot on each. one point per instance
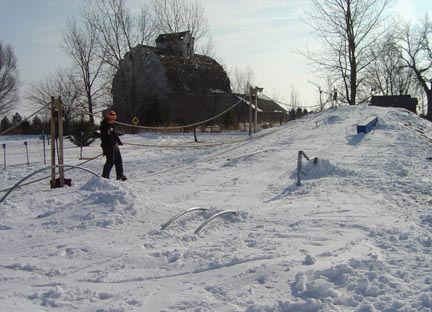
(354, 236)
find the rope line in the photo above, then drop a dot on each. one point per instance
(199, 145)
(181, 127)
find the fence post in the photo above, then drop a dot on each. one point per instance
(27, 153)
(256, 112)
(81, 144)
(60, 136)
(195, 135)
(250, 110)
(4, 155)
(52, 134)
(44, 152)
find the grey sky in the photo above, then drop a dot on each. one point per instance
(261, 34)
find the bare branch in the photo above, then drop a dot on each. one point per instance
(347, 28)
(8, 78)
(181, 15)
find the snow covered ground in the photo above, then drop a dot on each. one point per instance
(354, 236)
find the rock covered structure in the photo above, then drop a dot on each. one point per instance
(169, 83)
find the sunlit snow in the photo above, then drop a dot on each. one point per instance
(354, 236)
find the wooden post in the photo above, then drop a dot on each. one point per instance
(250, 110)
(43, 143)
(195, 135)
(53, 153)
(4, 155)
(60, 138)
(256, 112)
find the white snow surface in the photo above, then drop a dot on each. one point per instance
(354, 236)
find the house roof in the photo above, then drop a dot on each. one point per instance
(266, 105)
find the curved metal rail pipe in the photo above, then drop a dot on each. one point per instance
(163, 226)
(40, 170)
(212, 218)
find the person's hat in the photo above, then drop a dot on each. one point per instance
(112, 115)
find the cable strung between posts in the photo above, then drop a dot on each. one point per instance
(181, 127)
(200, 145)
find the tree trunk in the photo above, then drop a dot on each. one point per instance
(90, 107)
(429, 103)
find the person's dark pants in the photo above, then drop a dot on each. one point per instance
(113, 158)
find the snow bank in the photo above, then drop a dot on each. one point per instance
(98, 203)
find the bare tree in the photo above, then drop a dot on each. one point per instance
(294, 98)
(8, 78)
(180, 15)
(62, 84)
(207, 48)
(347, 29)
(416, 45)
(117, 29)
(81, 44)
(241, 79)
(387, 74)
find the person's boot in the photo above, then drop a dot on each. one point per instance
(122, 178)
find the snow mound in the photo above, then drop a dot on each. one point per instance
(98, 184)
(98, 203)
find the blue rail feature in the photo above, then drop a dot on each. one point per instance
(367, 127)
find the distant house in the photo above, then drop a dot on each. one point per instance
(404, 101)
(268, 110)
(171, 85)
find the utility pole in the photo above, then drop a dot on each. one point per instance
(256, 89)
(250, 109)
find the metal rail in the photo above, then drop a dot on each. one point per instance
(163, 226)
(299, 165)
(40, 170)
(212, 218)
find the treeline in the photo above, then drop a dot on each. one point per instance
(38, 126)
(297, 113)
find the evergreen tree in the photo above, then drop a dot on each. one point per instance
(298, 112)
(292, 114)
(83, 134)
(5, 123)
(16, 119)
(25, 127)
(36, 125)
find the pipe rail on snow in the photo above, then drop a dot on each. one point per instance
(163, 226)
(302, 154)
(222, 213)
(40, 170)
(46, 177)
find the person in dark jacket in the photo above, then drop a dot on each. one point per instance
(110, 142)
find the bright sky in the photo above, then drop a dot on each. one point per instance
(264, 35)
